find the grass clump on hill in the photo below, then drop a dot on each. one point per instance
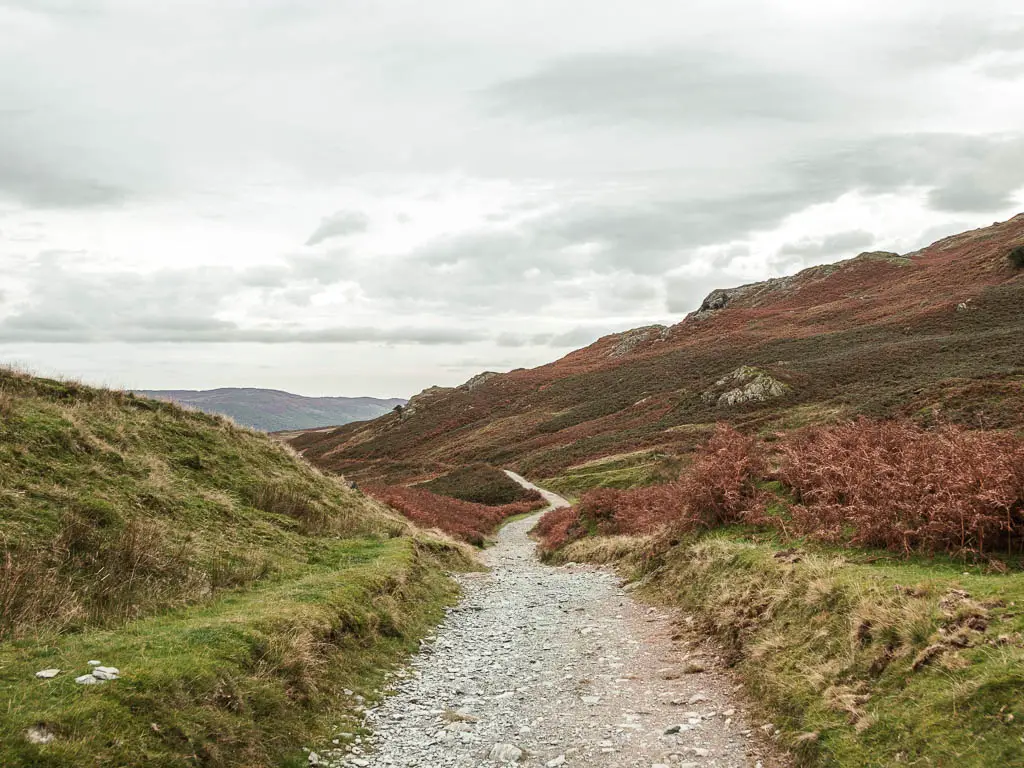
(238, 590)
(480, 484)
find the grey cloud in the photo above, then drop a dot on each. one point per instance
(954, 38)
(836, 243)
(627, 294)
(684, 86)
(67, 305)
(1004, 70)
(964, 172)
(339, 224)
(173, 330)
(648, 231)
(43, 184)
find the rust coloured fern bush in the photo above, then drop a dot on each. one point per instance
(888, 484)
(718, 489)
(895, 485)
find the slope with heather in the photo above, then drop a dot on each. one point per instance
(238, 591)
(935, 334)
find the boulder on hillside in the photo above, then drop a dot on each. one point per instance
(630, 340)
(417, 402)
(479, 379)
(746, 384)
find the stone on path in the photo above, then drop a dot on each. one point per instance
(505, 753)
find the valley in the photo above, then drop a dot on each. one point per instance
(554, 666)
(824, 473)
(271, 410)
(787, 531)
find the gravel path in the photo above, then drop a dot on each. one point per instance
(550, 666)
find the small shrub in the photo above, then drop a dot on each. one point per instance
(717, 489)
(555, 528)
(291, 500)
(1016, 257)
(32, 591)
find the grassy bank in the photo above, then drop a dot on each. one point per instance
(859, 657)
(245, 680)
(238, 590)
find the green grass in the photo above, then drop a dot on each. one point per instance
(830, 643)
(622, 471)
(238, 589)
(245, 680)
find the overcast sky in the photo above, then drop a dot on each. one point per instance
(349, 197)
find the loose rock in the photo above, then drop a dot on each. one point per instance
(510, 678)
(39, 734)
(505, 753)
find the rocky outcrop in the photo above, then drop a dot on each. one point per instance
(755, 294)
(479, 379)
(746, 384)
(717, 299)
(630, 340)
(419, 402)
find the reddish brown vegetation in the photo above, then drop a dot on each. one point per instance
(718, 489)
(889, 484)
(557, 528)
(892, 484)
(873, 335)
(462, 519)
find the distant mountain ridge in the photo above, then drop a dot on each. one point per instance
(273, 410)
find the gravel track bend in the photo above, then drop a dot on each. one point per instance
(551, 666)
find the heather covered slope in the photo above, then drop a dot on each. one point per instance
(272, 410)
(933, 334)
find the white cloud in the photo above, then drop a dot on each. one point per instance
(493, 182)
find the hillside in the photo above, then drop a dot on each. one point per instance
(237, 591)
(862, 573)
(935, 334)
(272, 410)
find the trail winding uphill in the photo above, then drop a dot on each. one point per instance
(552, 666)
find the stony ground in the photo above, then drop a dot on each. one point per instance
(550, 666)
